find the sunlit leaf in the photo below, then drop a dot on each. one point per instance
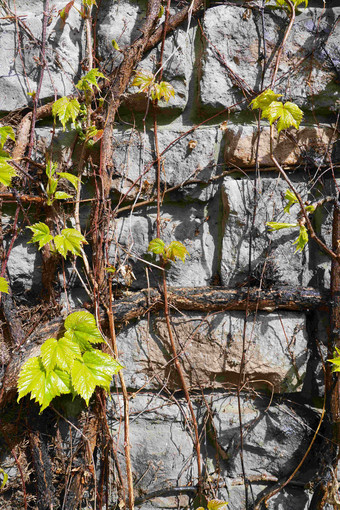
(115, 45)
(41, 234)
(66, 110)
(6, 132)
(71, 240)
(70, 178)
(156, 246)
(63, 13)
(83, 380)
(61, 195)
(292, 199)
(302, 240)
(143, 80)
(5, 478)
(274, 225)
(216, 504)
(176, 249)
(162, 90)
(4, 285)
(6, 170)
(59, 353)
(81, 328)
(288, 115)
(102, 365)
(89, 80)
(263, 100)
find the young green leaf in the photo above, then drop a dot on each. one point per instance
(291, 197)
(41, 234)
(61, 195)
(162, 90)
(157, 246)
(176, 249)
(63, 13)
(102, 366)
(4, 285)
(89, 80)
(274, 225)
(83, 380)
(5, 478)
(263, 100)
(216, 504)
(302, 240)
(6, 170)
(81, 328)
(70, 178)
(66, 110)
(143, 80)
(71, 240)
(6, 132)
(115, 45)
(59, 353)
(289, 114)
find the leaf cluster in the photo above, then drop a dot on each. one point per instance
(6, 170)
(215, 504)
(68, 365)
(70, 239)
(146, 82)
(170, 252)
(287, 115)
(53, 179)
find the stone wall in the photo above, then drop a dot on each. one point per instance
(218, 208)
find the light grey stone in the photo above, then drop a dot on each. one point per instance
(275, 248)
(24, 267)
(211, 351)
(20, 70)
(237, 36)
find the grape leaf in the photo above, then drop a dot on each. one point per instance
(59, 353)
(81, 328)
(291, 197)
(143, 80)
(289, 114)
(66, 110)
(41, 234)
(6, 170)
(42, 386)
(4, 285)
(6, 132)
(61, 195)
(71, 240)
(302, 240)
(273, 225)
(264, 99)
(162, 90)
(86, 82)
(96, 369)
(216, 504)
(157, 246)
(70, 178)
(176, 249)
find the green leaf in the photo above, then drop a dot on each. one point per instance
(162, 90)
(59, 353)
(63, 13)
(81, 328)
(96, 369)
(6, 170)
(176, 249)
(161, 11)
(273, 225)
(291, 197)
(157, 246)
(42, 386)
(143, 80)
(115, 45)
(5, 478)
(71, 240)
(89, 80)
(89, 3)
(6, 132)
(264, 99)
(61, 195)
(296, 3)
(70, 178)
(4, 285)
(41, 234)
(216, 504)
(289, 114)
(302, 240)
(66, 110)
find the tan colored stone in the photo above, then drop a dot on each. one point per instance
(241, 143)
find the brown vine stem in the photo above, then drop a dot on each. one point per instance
(183, 383)
(279, 53)
(127, 447)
